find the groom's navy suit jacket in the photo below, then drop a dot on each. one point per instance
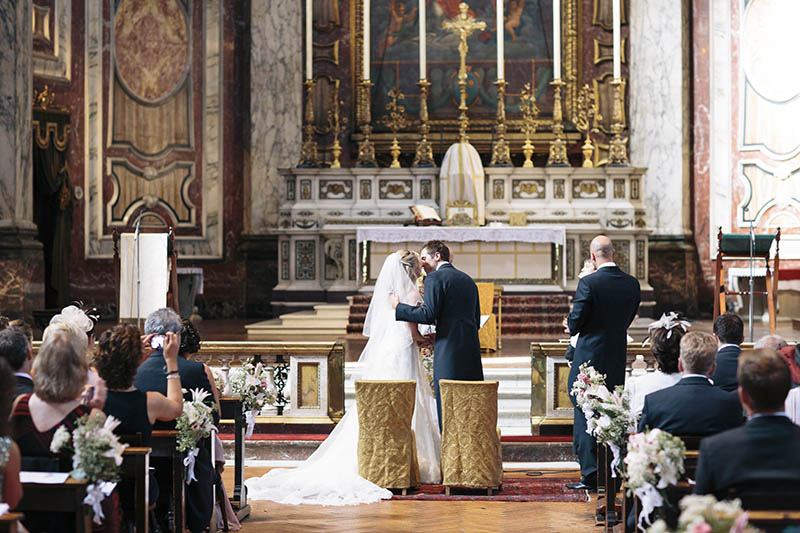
(451, 303)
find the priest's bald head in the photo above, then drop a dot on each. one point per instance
(601, 250)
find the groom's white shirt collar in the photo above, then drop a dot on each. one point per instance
(442, 263)
(609, 264)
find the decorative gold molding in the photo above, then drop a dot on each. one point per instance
(605, 52)
(607, 25)
(601, 100)
(335, 20)
(327, 52)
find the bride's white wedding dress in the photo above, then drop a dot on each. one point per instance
(330, 475)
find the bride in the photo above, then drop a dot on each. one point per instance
(330, 475)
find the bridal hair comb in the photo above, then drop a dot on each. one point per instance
(74, 316)
(668, 321)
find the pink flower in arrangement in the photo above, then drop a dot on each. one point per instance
(700, 527)
(741, 523)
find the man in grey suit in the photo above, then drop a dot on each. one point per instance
(451, 303)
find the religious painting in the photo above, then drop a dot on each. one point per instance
(394, 56)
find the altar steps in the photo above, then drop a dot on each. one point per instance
(324, 322)
(535, 315)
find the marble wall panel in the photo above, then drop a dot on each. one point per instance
(275, 104)
(57, 65)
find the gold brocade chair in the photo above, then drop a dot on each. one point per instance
(488, 334)
(387, 451)
(471, 455)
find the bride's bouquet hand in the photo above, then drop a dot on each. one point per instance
(394, 300)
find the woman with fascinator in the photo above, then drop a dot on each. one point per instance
(664, 337)
(330, 475)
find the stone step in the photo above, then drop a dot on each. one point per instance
(274, 329)
(298, 450)
(341, 311)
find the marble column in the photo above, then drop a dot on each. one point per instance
(660, 129)
(276, 108)
(21, 258)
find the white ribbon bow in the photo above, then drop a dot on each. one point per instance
(650, 498)
(94, 497)
(188, 462)
(250, 416)
(615, 462)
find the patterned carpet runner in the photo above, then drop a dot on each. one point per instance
(513, 490)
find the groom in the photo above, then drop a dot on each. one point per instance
(451, 303)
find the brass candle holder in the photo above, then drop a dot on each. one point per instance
(309, 155)
(558, 148)
(617, 146)
(530, 114)
(501, 155)
(395, 120)
(585, 121)
(337, 124)
(366, 150)
(424, 151)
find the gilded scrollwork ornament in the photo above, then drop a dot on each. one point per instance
(423, 156)
(617, 146)
(558, 148)
(585, 121)
(366, 149)
(396, 120)
(530, 115)
(309, 154)
(337, 124)
(501, 155)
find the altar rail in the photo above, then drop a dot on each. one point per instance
(550, 402)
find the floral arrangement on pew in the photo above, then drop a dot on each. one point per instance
(96, 457)
(252, 383)
(654, 462)
(196, 422)
(609, 418)
(704, 514)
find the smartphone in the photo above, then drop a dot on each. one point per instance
(157, 342)
(88, 395)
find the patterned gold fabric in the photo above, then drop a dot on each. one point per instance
(488, 333)
(387, 453)
(471, 455)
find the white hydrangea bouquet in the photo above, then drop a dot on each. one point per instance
(654, 462)
(609, 418)
(252, 383)
(196, 422)
(704, 514)
(96, 456)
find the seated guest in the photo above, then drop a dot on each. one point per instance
(24, 327)
(10, 487)
(693, 406)
(729, 332)
(117, 359)
(779, 345)
(152, 377)
(665, 338)
(16, 351)
(765, 448)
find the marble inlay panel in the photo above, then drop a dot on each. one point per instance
(275, 105)
(657, 125)
(305, 260)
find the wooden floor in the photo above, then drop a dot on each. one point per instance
(419, 516)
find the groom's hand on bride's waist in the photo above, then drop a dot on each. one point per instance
(394, 299)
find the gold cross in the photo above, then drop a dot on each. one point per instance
(464, 25)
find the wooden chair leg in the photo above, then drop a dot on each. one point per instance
(404, 492)
(447, 491)
(489, 491)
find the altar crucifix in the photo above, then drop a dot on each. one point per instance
(461, 178)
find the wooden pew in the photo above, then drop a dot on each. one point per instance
(164, 444)
(61, 497)
(232, 409)
(136, 469)
(10, 522)
(607, 512)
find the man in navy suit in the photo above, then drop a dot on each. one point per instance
(693, 406)
(604, 305)
(764, 450)
(450, 303)
(16, 350)
(729, 332)
(152, 376)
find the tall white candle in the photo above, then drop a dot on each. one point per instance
(616, 22)
(366, 41)
(557, 39)
(309, 49)
(422, 51)
(500, 32)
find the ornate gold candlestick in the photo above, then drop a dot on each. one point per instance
(501, 155)
(309, 156)
(558, 148)
(424, 151)
(463, 25)
(530, 113)
(337, 124)
(584, 120)
(617, 146)
(366, 150)
(395, 120)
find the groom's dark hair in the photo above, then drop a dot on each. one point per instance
(438, 246)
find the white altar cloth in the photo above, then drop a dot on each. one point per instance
(533, 234)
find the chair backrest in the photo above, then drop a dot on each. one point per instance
(486, 297)
(468, 404)
(380, 400)
(765, 494)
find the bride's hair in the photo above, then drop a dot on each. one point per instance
(410, 262)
